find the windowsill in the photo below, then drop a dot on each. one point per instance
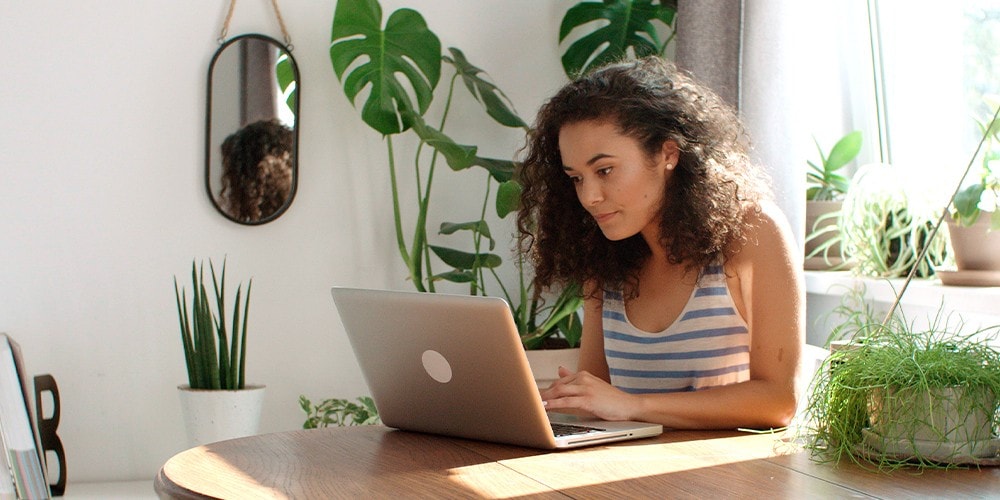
(959, 307)
(922, 292)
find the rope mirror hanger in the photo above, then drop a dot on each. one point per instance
(277, 14)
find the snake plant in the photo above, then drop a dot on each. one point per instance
(215, 359)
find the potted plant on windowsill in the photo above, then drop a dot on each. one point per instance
(885, 224)
(217, 403)
(974, 225)
(826, 188)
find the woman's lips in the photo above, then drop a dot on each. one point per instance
(601, 218)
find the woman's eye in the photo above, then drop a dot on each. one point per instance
(604, 171)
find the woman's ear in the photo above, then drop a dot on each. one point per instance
(671, 153)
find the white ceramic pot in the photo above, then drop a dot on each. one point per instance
(545, 363)
(939, 423)
(217, 415)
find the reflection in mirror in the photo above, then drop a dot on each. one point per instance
(251, 167)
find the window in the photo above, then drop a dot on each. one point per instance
(938, 61)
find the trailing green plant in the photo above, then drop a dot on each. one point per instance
(893, 359)
(853, 314)
(984, 194)
(627, 31)
(824, 180)
(884, 228)
(214, 358)
(339, 412)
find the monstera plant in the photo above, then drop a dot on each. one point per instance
(369, 57)
(627, 30)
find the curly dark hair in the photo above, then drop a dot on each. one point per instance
(257, 170)
(712, 190)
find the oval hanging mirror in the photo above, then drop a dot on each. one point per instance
(251, 165)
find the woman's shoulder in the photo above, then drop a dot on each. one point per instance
(767, 216)
(768, 235)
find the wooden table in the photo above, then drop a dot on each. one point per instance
(376, 461)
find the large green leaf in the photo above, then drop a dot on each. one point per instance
(476, 226)
(496, 102)
(508, 198)
(572, 329)
(479, 226)
(455, 276)
(501, 170)
(846, 149)
(466, 260)
(629, 25)
(458, 156)
(967, 203)
(406, 48)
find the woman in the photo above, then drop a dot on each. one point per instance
(636, 183)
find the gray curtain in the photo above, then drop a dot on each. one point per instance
(744, 50)
(709, 42)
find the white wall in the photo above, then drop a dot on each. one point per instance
(103, 202)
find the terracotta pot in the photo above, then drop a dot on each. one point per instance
(976, 247)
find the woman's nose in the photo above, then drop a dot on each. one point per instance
(590, 193)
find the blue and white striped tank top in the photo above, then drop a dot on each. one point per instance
(707, 346)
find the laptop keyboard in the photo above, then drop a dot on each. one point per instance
(569, 430)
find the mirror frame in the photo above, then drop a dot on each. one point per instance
(209, 146)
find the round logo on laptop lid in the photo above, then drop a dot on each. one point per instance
(436, 366)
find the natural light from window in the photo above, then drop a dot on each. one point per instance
(939, 61)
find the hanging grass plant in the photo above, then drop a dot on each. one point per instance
(885, 226)
(902, 396)
(214, 358)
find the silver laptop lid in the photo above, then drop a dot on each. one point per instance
(445, 364)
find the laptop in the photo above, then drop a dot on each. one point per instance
(454, 365)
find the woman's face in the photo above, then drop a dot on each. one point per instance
(616, 181)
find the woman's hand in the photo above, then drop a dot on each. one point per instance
(584, 391)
